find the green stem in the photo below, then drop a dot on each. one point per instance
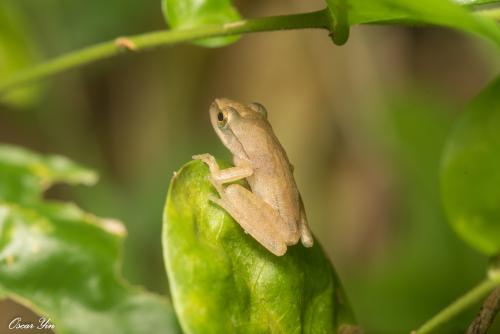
(319, 19)
(470, 298)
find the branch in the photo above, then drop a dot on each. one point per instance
(143, 42)
(461, 304)
(319, 19)
(487, 314)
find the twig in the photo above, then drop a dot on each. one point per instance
(319, 19)
(460, 305)
(143, 42)
(487, 314)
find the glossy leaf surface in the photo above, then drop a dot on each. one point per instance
(223, 281)
(24, 175)
(471, 172)
(185, 14)
(65, 263)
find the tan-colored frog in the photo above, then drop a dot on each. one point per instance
(273, 212)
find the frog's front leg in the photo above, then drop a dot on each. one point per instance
(224, 175)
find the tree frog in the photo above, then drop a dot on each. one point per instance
(272, 212)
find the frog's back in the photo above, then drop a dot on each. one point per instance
(273, 179)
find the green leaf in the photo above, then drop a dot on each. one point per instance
(185, 14)
(438, 12)
(65, 263)
(24, 175)
(17, 51)
(471, 172)
(223, 281)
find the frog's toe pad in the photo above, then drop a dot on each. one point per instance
(307, 241)
(204, 157)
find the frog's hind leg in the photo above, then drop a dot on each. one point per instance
(305, 233)
(255, 216)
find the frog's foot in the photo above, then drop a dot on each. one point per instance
(305, 233)
(216, 200)
(209, 160)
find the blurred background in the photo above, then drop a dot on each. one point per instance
(364, 124)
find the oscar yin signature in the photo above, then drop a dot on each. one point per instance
(17, 323)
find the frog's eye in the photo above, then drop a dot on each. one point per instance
(222, 118)
(257, 107)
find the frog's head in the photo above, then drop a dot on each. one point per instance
(232, 121)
